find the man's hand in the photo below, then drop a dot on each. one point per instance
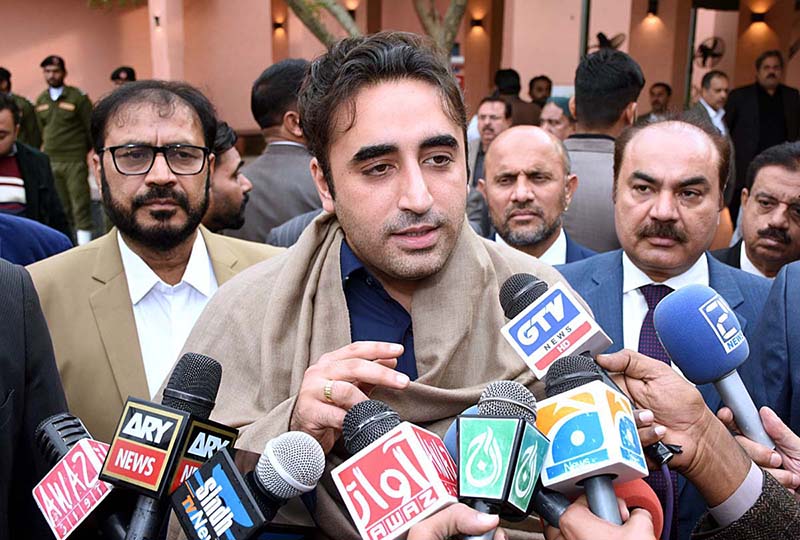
(578, 523)
(454, 520)
(783, 463)
(339, 380)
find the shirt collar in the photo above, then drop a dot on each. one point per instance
(141, 278)
(633, 278)
(286, 143)
(349, 263)
(711, 112)
(555, 255)
(747, 265)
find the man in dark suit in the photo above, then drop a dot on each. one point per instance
(770, 221)
(28, 188)
(667, 199)
(24, 241)
(761, 115)
(30, 391)
(281, 178)
(660, 94)
(527, 186)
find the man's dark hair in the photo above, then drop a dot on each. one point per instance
(766, 54)
(710, 76)
(225, 140)
(538, 78)
(130, 74)
(507, 81)
(7, 103)
(165, 95)
(606, 82)
(786, 156)
(719, 142)
(53, 60)
(275, 91)
(328, 92)
(663, 85)
(5, 75)
(497, 99)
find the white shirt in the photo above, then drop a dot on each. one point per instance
(634, 306)
(716, 117)
(286, 143)
(55, 93)
(556, 254)
(747, 265)
(165, 314)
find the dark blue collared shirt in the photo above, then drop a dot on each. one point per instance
(374, 315)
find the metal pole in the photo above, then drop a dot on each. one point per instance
(687, 89)
(586, 8)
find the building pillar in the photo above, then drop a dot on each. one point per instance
(482, 48)
(166, 38)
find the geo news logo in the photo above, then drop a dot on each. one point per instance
(723, 322)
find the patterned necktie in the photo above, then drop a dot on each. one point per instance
(650, 345)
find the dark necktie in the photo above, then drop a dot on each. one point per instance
(650, 345)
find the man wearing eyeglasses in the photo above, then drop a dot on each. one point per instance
(120, 307)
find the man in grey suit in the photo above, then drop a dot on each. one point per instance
(607, 85)
(281, 178)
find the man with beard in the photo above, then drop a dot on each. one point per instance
(668, 193)
(770, 214)
(120, 307)
(761, 115)
(527, 186)
(229, 187)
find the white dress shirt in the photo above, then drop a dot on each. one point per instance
(747, 265)
(55, 93)
(165, 314)
(556, 254)
(716, 117)
(634, 306)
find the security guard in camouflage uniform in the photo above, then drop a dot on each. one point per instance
(64, 114)
(28, 126)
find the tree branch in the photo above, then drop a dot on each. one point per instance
(341, 15)
(452, 21)
(428, 17)
(309, 16)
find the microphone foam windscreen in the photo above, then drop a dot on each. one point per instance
(57, 434)
(366, 422)
(637, 494)
(519, 291)
(195, 383)
(701, 333)
(507, 398)
(569, 372)
(292, 464)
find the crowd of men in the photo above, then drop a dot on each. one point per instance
(402, 228)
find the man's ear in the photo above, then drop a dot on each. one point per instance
(630, 113)
(481, 187)
(97, 168)
(324, 192)
(570, 187)
(572, 108)
(291, 123)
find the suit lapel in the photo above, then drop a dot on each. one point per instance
(605, 296)
(222, 258)
(113, 314)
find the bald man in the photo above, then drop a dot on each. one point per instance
(528, 185)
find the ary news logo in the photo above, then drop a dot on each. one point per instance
(532, 452)
(150, 428)
(723, 321)
(205, 438)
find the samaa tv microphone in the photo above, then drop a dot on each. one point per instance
(398, 475)
(547, 323)
(594, 441)
(702, 335)
(216, 501)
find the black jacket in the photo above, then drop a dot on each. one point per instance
(729, 255)
(30, 391)
(42, 203)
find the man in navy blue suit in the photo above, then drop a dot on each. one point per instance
(668, 193)
(527, 186)
(24, 241)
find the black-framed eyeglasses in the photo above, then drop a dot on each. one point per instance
(133, 159)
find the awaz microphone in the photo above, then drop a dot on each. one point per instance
(216, 501)
(399, 473)
(703, 337)
(547, 323)
(594, 441)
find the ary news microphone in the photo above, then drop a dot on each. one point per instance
(547, 323)
(594, 442)
(216, 501)
(398, 475)
(72, 491)
(702, 335)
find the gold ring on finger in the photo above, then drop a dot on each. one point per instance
(328, 390)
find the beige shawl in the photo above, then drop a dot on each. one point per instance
(273, 320)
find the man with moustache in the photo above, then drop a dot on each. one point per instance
(229, 187)
(494, 117)
(527, 186)
(120, 307)
(761, 115)
(668, 193)
(770, 214)
(389, 293)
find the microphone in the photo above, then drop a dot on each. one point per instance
(547, 323)
(637, 494)
(72, 490)
(398, 475)
(216, 501)
(695, 318)
(594, 442)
